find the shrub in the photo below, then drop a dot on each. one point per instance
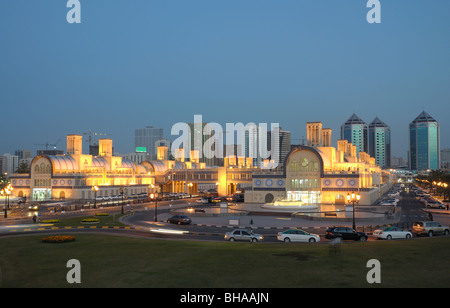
(58, 239)
(50, 221)
(91, 220)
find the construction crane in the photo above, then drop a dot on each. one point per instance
(90, 134)
(50, 145)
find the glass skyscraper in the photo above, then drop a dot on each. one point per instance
(355, 130)
(145, 139)
(380, 143)
(424, 148)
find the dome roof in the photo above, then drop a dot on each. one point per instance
(100, 162)
(63, 162)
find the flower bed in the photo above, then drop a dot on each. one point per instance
(58, 239)
(50, 221)
(102, 214)
(90, 220)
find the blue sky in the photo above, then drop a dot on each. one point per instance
(131, 64)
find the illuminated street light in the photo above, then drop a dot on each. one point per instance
(354, 199)
(95, 189)
(190, 190)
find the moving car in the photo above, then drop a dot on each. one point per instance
(243, 235)
(34, 206)
(179, 219)
(389, 233)
(205, 200)
(297, 235)
(345, 233)
(429, 228)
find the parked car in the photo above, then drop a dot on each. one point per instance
(429, 228)
(297, 235)
(243, 235)
(434, 204)
(345, 233)
(179, 219)
(389, 233)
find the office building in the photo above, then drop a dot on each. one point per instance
(355, 131)
(424, 147)
(380, 143)
(145, 139)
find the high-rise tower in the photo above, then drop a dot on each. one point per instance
(380, 143)
(424, 147)
(355, 131)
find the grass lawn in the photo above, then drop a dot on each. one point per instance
(113, 261)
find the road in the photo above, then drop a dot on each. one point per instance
(144, 225)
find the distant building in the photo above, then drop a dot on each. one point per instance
(380, 143)
(145, 139)
(9, 163)
(445, 159)
(22, 154)
(424, 147)
(355, 131)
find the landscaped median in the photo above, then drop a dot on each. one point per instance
(98, 220)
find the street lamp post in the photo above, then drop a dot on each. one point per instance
(353, 199)
(190, 190)
(122, 191)
(95, 189)
(7, 191)
(155, 197)
(2, 192)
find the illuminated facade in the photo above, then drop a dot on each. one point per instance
(72, 176)
(317, 175)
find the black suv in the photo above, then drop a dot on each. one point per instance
(345, 233)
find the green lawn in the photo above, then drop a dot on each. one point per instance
(113, 261)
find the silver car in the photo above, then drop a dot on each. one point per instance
(243, 235)
(429, 228)
(389, 233)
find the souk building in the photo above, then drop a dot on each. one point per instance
(319, 174)
(73, 175)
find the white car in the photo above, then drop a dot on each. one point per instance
(388, 203)
(297, 235)
(389, 233)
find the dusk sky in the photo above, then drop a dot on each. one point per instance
(131, 64)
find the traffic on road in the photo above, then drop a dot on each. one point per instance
(413, 222)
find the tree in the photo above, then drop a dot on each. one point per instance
(23, 168)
